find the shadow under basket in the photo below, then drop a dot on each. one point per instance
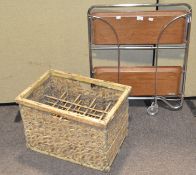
(75, 118)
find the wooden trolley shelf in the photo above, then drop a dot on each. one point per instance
(141, 78)
(138, 27)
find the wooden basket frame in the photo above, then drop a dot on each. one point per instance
(22, 98)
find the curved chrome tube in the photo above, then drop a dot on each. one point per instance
(139, 5)
(187, 15)
(117, 41)
(170, 105)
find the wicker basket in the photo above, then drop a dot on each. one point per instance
(75, 118)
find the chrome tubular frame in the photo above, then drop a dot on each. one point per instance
(153, 109)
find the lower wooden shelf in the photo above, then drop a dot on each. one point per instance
(142, 79)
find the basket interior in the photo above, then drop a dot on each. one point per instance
(87, 99)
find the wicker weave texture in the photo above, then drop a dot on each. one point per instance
(72, 141)
(81, 142)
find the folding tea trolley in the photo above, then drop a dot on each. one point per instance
(119, 27)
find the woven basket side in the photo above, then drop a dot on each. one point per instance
(120, 117)
(50, 128)
(115, 147)
(65, 139)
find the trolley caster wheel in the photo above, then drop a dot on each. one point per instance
(153, 109)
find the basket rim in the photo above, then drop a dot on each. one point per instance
(21, 99)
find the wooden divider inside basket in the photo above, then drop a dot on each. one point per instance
(142, 79)
(138, 27)
(75, 106)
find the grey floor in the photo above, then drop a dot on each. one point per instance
(161, 145)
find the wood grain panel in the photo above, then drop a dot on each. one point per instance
(142, 78)
(138, 27)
